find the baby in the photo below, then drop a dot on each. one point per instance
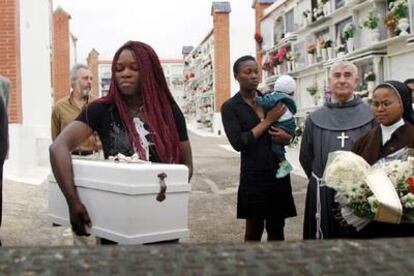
(284, 89)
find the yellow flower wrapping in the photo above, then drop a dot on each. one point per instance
(389, 208)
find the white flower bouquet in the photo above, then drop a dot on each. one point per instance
(382, 192)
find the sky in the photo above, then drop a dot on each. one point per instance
(166, 25)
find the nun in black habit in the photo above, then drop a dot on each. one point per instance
(392, 107)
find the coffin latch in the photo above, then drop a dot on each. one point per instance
(163, 187)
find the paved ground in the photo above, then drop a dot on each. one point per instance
(211, 210)
(213, 200)
(211, 220)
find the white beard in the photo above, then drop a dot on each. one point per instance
(85, 93)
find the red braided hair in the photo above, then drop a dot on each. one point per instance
(157, 103)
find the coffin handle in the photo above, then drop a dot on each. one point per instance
(163, 187)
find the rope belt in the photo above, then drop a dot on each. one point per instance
(319, 183)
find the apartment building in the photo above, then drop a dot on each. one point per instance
(304, 38)
(207, 73)
(26, 55)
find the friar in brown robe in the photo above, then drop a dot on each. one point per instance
(335, 126)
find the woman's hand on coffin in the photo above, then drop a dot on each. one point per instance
(79, 218)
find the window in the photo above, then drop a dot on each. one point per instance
(278, 28)
(166, 69)
(176, 69)
(105, 83)
(324, 33)
(300, 49)
(388, 2)
(339, 3)
(339, 27)
(177, 83)
(320, 36)
(314, 5)
(290, 22)
(363, 68)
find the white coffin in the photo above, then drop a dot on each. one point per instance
(121, 200)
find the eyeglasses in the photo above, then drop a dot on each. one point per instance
(384, 104)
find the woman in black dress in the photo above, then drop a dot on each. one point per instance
(262, 200)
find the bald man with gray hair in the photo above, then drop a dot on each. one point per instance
(334, 126)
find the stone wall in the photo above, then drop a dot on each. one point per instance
(342, 257)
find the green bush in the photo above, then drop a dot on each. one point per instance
(349, 31)
(399, 8)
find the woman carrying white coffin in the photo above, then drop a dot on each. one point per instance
(139, 116)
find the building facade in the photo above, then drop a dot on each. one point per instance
(207, 73)
(304, 38)
(37, 50)
(199, 83)
(63, 54)
(173, 71)
(25, 59)
(102, 75)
